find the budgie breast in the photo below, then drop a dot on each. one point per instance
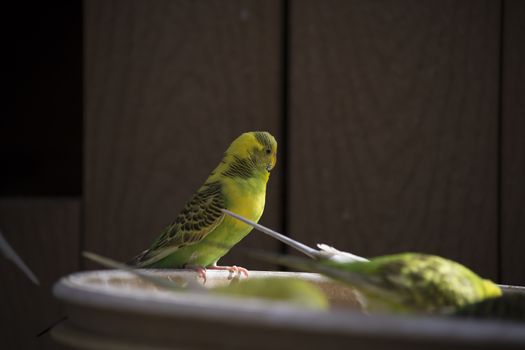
(246, 198)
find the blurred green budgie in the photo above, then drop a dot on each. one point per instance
(201, 234)
(407, 282)
(294, 291)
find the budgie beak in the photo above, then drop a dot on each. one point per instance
(271, 165)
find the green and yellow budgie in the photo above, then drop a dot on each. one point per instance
(414, 282)
(201, 234)
(406, 282)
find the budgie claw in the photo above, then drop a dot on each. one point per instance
(234, 270)
(201, 271)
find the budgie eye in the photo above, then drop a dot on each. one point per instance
(268, 151)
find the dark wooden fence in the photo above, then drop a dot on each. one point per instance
(400, 124)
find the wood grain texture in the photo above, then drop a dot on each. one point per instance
(394, 111)
(513, 144)
(169, 84)
(45, 233)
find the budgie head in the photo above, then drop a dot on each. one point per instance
(255, 150)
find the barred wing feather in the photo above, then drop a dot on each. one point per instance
(201, 215)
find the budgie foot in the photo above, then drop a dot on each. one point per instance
(232, 269)
(201, 271)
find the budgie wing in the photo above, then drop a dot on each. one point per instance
(201, 215)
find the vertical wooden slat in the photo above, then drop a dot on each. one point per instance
(169, 84)
(394, 127)
(45, 233)
(513, 144)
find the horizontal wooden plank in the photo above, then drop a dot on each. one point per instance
(45, 233)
